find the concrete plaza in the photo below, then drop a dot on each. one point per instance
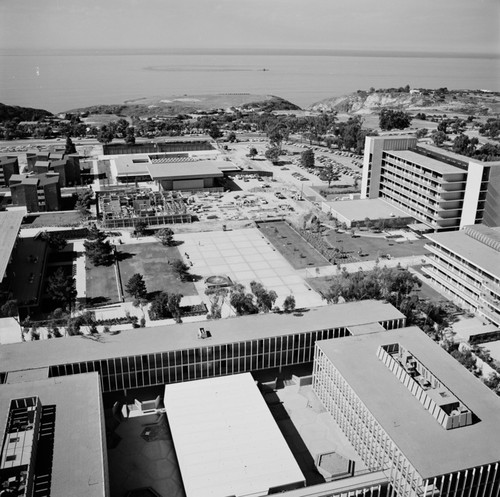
(245, 255)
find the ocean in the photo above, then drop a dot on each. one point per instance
(59, 81)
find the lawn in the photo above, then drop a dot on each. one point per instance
(42, 219)
(151, 261)
(101, 284)
(294, 248)
(373, 247)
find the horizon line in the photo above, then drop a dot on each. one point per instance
(247, 51)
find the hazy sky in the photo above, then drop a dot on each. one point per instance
(463, 26)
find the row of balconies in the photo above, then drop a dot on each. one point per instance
(466, 280)
(451, 285)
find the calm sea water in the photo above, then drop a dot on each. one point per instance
(60, 82)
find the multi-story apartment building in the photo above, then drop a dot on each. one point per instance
(9, 165)
(443, 190)
(40, 192)
(176, 353)
(466, 265)
(413, 412)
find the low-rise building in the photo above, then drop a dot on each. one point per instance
(53, 438)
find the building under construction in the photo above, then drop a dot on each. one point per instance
(126, 207)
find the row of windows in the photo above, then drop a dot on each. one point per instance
(203, 362)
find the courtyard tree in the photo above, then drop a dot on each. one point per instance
(289, 304)
(231, 137)
(140, 227)
(97, 248)
(180, 269)
(265, 298)
(70, 146)
(439, 137)
(55, 241)
(217, 297)
(166, 237)
(136, 287)
(61, 288)
(393, 119)
(328, 174)
(242, 302)
(307, 158)
(83, 201)
(166, 305)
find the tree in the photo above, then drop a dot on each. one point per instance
(464, 145)
(97, 248)
(439, 137)
(289, 304)
(327, 173)
(231, 137)
(166, 237)
(272, 154)
(166, 305)
(265, 298)
(70, 146)
(180, 269)
(130, 136)
(214, 132)
(140, 227)
(83, 201)
(217, 297)
(252, 152)
(307, 158)
(136, 286)
(420, 133)
(241, 301)
(55, 241)
(393, 119)
(62, 288)
(465, 358)
(105, 135)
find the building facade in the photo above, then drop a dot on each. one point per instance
(466, 265)
(239, 345)
(452, 455)
(9, 165)
(39, 192)
(443, 190)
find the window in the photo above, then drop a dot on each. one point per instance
(11, 457)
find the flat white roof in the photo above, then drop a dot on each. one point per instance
(226, 440)
(372, 208)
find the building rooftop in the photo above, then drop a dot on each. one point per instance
(226, 440)
(79, 456)
(427, 162)
(134, 165)
(452, 156)
(202, 168)
(10, 223)
(472, 250)
(358, 210)
(43, 353)
(430, 448)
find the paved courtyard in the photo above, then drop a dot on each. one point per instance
(245, 255)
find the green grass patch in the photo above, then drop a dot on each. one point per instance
(151, 261)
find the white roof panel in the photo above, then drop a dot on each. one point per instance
(226, 439)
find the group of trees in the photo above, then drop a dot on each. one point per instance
(97, 248)
(393, 119)
(259, 299)
(166, 305)
(396, 285)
